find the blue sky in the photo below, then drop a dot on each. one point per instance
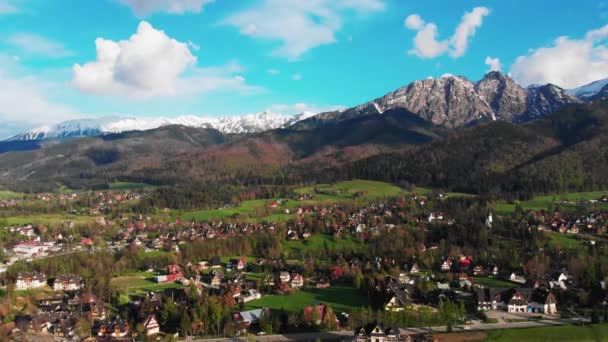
(65, 59)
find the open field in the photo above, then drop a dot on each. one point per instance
(598, 332)
(546, 201)
(493, 282)
(128, 186)
(563, 241)
(355, 191)
(7, 195)
(47, 219)
(259, 210)
(341, 298)
(140, 282)
(318, 242)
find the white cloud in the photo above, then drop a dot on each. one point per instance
(273, 71)
(35, 44)
(143, 8)
(193, 46)
(466, 29)
(8, 7)
(27, 100)
(568, 63)
(296, 77)
(493, 63)
(414, 22)
(298, 25)
(150, 64)
(426, 44)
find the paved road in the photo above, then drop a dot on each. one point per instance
(347, 335)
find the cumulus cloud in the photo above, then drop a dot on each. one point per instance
(493, 63)
(426, 43)
(143, 8)
(27, 100)
(568, 63)
(35, 44)
(150, 64)
(296, 77)
(414, 22)
(466, 29)
(273, 71)
(298, 25)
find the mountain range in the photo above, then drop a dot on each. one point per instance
(250, 123)
(487, 136)
(449, 101)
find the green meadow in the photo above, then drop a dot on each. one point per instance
(547, 201)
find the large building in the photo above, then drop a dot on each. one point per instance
(30, 280)
(68, 283)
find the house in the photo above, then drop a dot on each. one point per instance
(241, 264)
(284, 277)
(151, 326)
(169, 278)
(512, 300)
(435, 217)
(323, 314)
(323, 283)
(113, 328)
(542, 301)
(68, 283)
(400, 300)
(487, 298)
(517, 279)
(415, 268)
(30, 280)
(446, 266)
(245, 319)
(173, 268)
(216, 281)
(375, 332)
(561, 281)
(250, 295)
(297, 281)
(478, 271)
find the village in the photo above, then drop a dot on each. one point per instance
(186, 265)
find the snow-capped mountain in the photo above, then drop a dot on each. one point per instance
(454, 101)
(593, 91)
(250, 123)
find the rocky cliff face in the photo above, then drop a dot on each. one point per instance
(454, 101)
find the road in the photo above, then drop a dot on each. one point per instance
(348, 335)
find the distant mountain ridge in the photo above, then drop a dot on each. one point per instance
(454, 101)
(251, 123)
(449, 101)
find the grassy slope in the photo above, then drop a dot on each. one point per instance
(47, 219)
(493, 282)
(7, 195)
(562, 241)
(341, 298)
(317, 242)
(544, 202)
(140, 282)
(349, 191)
(563, 333)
